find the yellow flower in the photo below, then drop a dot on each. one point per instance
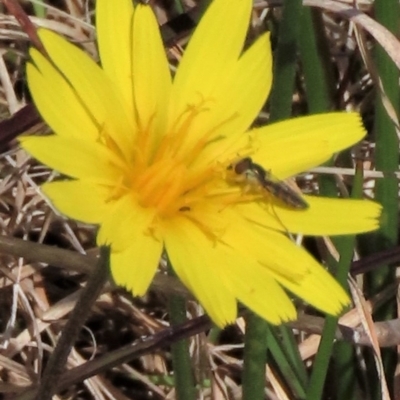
(150, 158)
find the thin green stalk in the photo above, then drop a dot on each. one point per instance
(345, 367)
(386, 156)
(285, 61)
(284, 351)
(280, 108)
(182, 367)
(316, 65)
(387, 13)
(255, 357)
(318, 80)
(79, 314)
(345, 373)
(345, 247)
(213, 335)
(179, 6)
(39, 9)
(290, 347)
(322, 359)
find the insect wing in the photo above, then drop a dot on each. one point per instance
(283, 191)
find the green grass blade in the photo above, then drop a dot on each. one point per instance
(386, 160)
(255, 357)
(285, 59)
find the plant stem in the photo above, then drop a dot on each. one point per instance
(255, 357)
(182, 367)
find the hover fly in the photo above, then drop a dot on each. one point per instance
(248, 171)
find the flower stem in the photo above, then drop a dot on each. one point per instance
(183, 374)
(255, 357)
(79, 314)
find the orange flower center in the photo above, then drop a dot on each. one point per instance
(161, 175)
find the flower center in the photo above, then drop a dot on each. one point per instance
(161, 175)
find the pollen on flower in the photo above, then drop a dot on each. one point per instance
(162, 177)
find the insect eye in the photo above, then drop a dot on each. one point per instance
(242, 166)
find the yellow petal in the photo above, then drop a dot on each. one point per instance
(94, 89)
(324, 217)
(124, 221)
(332, 217)
(215, 45)
(307, 141)
(319, 289)
(115, 49)
(200, 263)
(267, 246)
(248, 89)
(134, 268)
(256, 288)
(75, 158)
(209, 64)
(240, 99)
(315, 285)
(151, 76)
(56, 101)
(83, 201)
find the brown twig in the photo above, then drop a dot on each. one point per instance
(386, 331)
(56, 364)
(15, 9)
